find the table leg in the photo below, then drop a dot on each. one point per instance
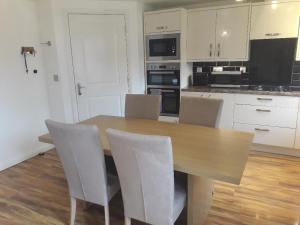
(200, 193)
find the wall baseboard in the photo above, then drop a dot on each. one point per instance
(12, 162)
(276, 150)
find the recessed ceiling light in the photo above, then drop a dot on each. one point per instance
(239, 0)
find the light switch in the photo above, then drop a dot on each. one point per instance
(55, 77)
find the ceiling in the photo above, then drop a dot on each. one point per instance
(161, 4)
(186, 3)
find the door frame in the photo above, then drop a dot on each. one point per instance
(71, 77)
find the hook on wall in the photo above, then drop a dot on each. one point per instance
(27, 51)
(46, 43)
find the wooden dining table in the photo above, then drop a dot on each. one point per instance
(204, 154)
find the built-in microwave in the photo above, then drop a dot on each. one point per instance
(163, 47)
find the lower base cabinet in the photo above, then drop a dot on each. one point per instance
(266, 135)
(226, 120)
(275, 120)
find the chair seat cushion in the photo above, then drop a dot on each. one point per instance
(113, 185)
(179, 200)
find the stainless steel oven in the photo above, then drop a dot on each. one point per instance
(170, 100)
(163, 75)
(163, 47)
(164, 79)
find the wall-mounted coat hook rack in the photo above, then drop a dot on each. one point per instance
(27, 51)
(46, 43)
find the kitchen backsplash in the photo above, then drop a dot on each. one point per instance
(230, 66)
(206, 67)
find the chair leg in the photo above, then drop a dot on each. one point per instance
(73, 211)
(127, 221)
(106, 213)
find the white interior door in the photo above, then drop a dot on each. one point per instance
(99, 55)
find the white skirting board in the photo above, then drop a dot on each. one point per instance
(276, 150)
(20, 158)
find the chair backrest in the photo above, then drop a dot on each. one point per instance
(142, 106)
(82, 157)
(200, 111)
(145, 168)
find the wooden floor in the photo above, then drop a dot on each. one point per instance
(35, 193)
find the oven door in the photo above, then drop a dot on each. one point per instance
(166, 78)
(163, 47)
(170, 100)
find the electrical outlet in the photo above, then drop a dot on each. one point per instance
(199, 69)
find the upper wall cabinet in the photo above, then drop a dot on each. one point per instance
(275, 20)
(232, 33)
(218, 34)
(163, 21)
(298, 48)
(201, 35)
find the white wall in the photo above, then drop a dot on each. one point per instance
(53, 14)
(23, 97)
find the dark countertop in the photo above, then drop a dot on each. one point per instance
(240, 91)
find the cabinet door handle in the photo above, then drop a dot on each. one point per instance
(260, 129)
(263, 110)
(160, 28)
(272, 34)
(210, 50)
(219, 50)
(264, 99)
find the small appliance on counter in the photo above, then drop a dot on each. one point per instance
(221, 76)
(164, 79)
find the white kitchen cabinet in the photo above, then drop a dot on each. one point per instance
(226, 119)
(266, 135)
(267, 100)
(297, 136)
(195, 94)
(267, 116)
(275, 20)
(218, 34)
(201, 35)
(163, 21)
(298, 48)
(272, 118)
(232, 33)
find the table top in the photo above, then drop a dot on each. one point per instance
(202, 151)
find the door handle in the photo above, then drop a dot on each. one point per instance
(219, 49)
(263, 110)
(272, 34)
(210, 50)
(79, 87)
(260, 129)
(265, 99)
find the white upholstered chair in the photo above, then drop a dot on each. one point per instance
(142, 106)
(82, 157)
(145, 168)
(200, 111)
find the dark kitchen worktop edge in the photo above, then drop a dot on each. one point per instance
(240, 91)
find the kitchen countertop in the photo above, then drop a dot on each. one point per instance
(240, 91)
